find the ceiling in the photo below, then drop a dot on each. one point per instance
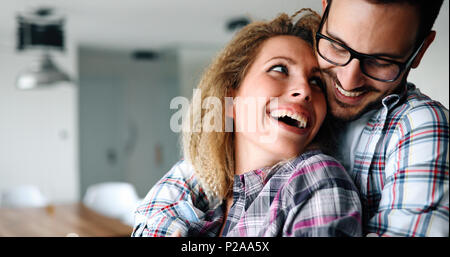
(147, 23)
(153, 24)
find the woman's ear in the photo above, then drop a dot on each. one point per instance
(428, 40)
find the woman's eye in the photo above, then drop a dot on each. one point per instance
(316, 81)
(279, 68)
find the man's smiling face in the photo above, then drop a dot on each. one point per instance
(385, 30)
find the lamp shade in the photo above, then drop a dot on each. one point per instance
(43, 73)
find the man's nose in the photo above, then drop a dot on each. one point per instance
(350, 76)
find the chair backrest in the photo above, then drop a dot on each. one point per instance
(113, 199)
(23, 196)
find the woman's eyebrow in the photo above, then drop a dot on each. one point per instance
(289, 60)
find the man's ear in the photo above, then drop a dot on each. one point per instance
(324, 5)
(428, 40)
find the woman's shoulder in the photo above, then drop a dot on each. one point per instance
(182, 178)
(182, 170)
(317, 160)
(314, 168)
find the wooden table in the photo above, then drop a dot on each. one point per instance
(59, 221)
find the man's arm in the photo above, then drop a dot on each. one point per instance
(415, 196)
(333, 208)
(175, 202)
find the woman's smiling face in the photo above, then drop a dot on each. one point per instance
(280, 104)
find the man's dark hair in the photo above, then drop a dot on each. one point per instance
(428, 12)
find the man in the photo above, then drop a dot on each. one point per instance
(394, 140)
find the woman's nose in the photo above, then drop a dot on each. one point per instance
(303, 92)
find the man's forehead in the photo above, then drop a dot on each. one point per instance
(373, 28)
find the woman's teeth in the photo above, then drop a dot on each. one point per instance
(347, 93)
(290, 118)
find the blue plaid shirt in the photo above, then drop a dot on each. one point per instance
(401, 166)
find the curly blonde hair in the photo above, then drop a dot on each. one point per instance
(212, 153)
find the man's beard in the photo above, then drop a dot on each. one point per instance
(374, 104)
(344, 119)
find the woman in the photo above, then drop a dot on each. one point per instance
(267, 177)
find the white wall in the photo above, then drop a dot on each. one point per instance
(150, 88)
(192, 61)
(432, 75)
(38, 131)
(124, 110)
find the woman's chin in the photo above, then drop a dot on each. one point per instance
(285, 150)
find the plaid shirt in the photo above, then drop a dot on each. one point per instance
(311, 195)
(177, 202)
(401, 166)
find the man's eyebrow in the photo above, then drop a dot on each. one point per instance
(324, 72)
(388, 55)
(289, 60)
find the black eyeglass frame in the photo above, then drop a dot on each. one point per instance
(360, 56)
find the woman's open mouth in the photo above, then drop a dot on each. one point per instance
(293, 121)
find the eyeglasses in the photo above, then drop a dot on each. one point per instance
(373, 66)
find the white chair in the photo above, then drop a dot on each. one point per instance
(23, 196)
(113, 199)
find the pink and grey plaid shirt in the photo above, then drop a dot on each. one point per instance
(311, 195)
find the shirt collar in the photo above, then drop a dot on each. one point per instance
(393, 99)
(264, 174)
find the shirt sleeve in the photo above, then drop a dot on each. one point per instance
(414, 199)
(328, 207)
(172, 204)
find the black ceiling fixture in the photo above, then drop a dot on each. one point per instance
(237, 23)
(145, 55)
(40, 28)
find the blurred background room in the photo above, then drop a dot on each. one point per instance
(85, 118)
